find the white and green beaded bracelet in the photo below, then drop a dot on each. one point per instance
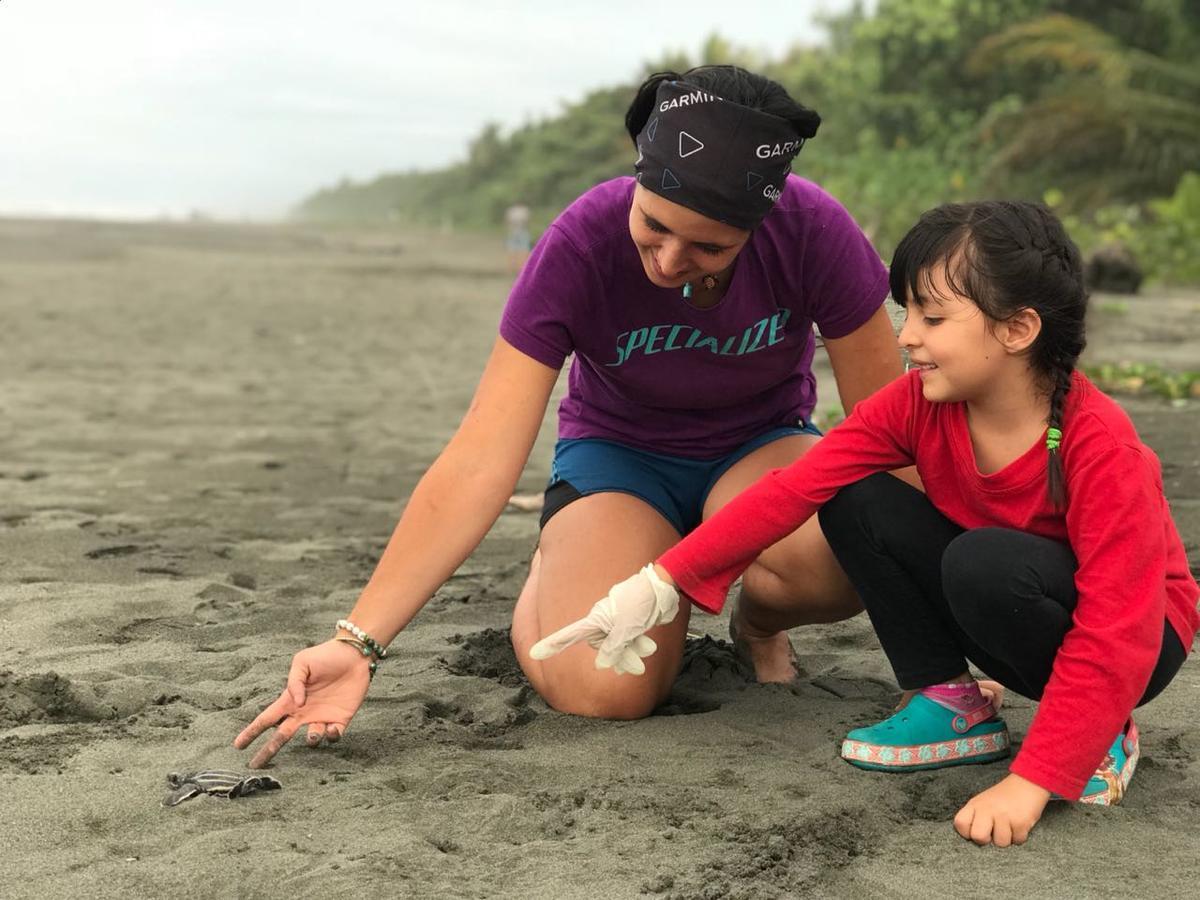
(375, 646)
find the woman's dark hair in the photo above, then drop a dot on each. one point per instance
(1007, 256)
(730, 83)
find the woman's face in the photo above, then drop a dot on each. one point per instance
(677, 244)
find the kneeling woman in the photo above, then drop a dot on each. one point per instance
(687, 295)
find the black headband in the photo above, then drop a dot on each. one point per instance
(718, 158)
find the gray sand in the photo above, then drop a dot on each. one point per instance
(208, 432)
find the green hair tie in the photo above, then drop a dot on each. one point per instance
(1053, 438)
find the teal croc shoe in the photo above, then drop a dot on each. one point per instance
(1108, 785)
(927, 735)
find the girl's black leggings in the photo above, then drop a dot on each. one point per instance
(939, 595)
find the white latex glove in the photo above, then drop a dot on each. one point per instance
(617, 625)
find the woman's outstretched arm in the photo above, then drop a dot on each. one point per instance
(461, 495)
(454, 504)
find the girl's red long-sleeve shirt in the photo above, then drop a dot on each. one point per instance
(1132, 570)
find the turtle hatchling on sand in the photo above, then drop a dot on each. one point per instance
(216, 783)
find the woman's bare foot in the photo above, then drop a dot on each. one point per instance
(772, 655)
(527, 502)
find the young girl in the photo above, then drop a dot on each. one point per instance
(1042, 550)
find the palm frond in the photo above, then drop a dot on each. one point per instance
(1109, 122)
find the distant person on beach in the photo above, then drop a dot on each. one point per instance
(517, 240)
(687, 295)
(1043, 550)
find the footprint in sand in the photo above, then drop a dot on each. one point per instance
(486, 654)
(802, 856)
(485, 725)
(221, 603)
(47, 697)
(114, 551)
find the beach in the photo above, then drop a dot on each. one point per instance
(208, 434)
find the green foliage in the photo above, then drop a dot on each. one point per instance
(1168, 244)
(1111, 123)
(924, 102)
(1145, 378)
(1163, 234)
(888, 187)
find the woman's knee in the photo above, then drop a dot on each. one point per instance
(578, 688)
(600, 698)
(797, 582)
(801, 595)
(571, 683)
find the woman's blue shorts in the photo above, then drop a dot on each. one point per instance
(675, 486)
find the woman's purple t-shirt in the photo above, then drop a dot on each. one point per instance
(652, 371)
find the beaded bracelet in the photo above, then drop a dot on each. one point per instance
(362, 648)
(376, 648)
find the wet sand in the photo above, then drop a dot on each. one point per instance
(208, 432)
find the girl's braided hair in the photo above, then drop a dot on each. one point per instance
(1007, 256)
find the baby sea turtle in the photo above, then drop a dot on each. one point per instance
(217, 783)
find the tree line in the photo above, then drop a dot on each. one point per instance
(1092, 106)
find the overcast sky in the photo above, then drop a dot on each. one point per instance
(137, 108)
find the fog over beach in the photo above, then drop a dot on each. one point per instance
(149, 108)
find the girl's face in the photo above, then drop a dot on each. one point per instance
(677, 244)
(951, 341)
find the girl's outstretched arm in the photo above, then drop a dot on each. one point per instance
(461, 495)
(876, 437)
